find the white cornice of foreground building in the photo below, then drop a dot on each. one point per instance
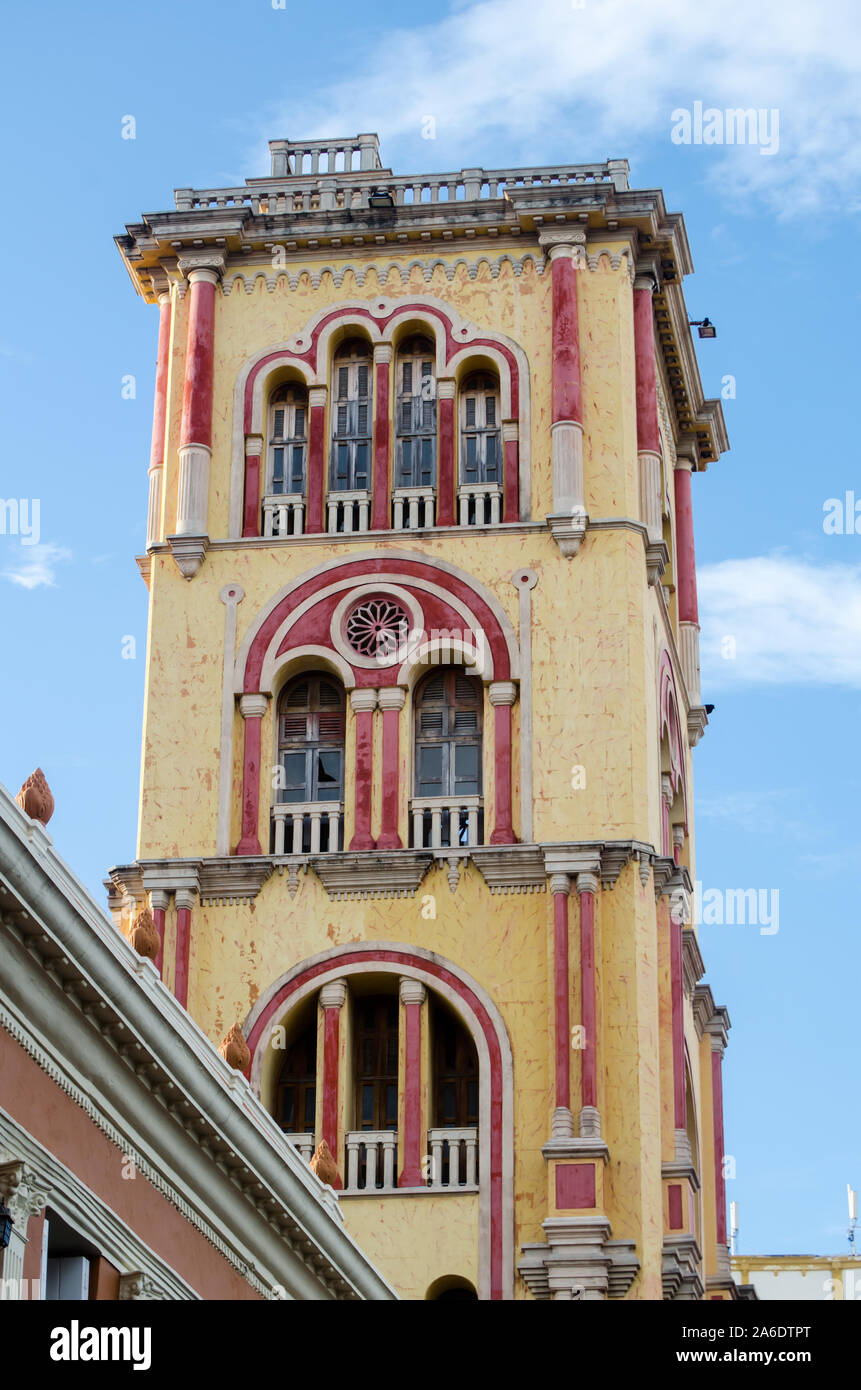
(96, 1019)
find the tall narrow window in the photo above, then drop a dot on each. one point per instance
(311, 724)
(296, 1092)
(448, 735)
(376, 1041)
(455, 1073)
(416, 415)
(288, 442)
(351, 418)
(480, 437)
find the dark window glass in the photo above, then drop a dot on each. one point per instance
(376, 1053)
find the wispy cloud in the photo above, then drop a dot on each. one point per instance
(772, 620)
(35, 567)
(604, 78)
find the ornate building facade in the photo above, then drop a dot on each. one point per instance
(422, 689)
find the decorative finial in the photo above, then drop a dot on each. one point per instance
(35, 798)
(144, 936)
(234, 1049)
(323, 1164)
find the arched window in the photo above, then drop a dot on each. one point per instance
(480, 439)
(296, 1090)
(376, 1052)
(288, 431)
(448, 710)
(416, 415)
(311, 724)
(351, 418)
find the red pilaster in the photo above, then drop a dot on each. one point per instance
(364, 702)
(685, 557)
(253, 456)
(252, 707)
(381, 517)
(184, 904)
(332, 998)
(680, 1116)
(158, 904)
(502, 697)
(717, 1113)
(197, 390)
(159, 414)
(412, 998)
(511, 472)
(316, 458)
(587, 885)
(391, 703)
(567, 393)
(560, 885)
(648, 432)
(445, 426)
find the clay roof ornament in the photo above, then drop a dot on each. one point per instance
(144, 935)
(35, 798)
(234, 1049)
(323, 1164)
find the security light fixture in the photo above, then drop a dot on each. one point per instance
(380, 198)
(704, 327)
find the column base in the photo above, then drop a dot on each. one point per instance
(389, 840)
(562, 1124)
(568, 531)
(503, 835)
(590, 1122)
(362, 842)
(249, 844)
(579, 1261)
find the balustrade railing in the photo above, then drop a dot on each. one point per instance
(283, 514)
(348, 512)
(443, 822)
(372, 1159)
(304, 1143)
(307, 827)
(453, 1158)
(412, 508)
(479, 504)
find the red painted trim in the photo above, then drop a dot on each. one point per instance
(381, 519)
(197, 389)
(587, 1001)
(503, 832)
(250, 844)
(561, 1006)
(251, 521)
(362, 837)
(446, 485)
(567, 394)
(183, 952)
(685, 557)
(389, 837)
(331, 1061)
(474, 1004)
(575, 1186)
(411, 1174)
(680, 1110)
(361, 570)
(674, 1207)
(159, 413)
(648, 432)
(511, 474)
(158, 916)
(717, 1113)
(316, 468)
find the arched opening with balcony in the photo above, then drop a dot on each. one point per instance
(349, 499)
(286, 461)
(414, 496)
(480, 486)
(309, 783)
(447, 807)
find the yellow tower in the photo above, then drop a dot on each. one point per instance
(422, 687)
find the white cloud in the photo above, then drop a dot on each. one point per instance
(792, 622)
(577, 84)
(35, 566)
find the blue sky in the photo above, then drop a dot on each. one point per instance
(773, 239)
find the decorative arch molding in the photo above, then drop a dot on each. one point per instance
(484, 1022)
(379, 319)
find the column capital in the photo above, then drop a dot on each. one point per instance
(23, 1192)
(317, 396)
(253, 445)
(562, 242)
(364, 699)
(253, 706)
(333, 995)
(446, 389)
(560, 883)
(502, 692)
(159, 899)
(412, 991)
(382, 354)
(393, 697)
(510, 431)
(586, 883)
(667, 788)
(184, 899)
(645, 280)
(206, 265)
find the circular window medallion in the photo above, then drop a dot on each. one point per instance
(376, 627)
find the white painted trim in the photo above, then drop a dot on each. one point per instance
(431, 981)
(278, 670)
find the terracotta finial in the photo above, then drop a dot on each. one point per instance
(144, 935)
(234, 1049)
(323, 1164)
(35, 798)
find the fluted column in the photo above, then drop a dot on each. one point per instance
(381, 519)
(316, 458)
(565, 252)
(563, 1121)
(590, 1120)
(195, 447)
(412, 997)
(648, 429)
(184, 900)
(159, 422)
(332, 997)
(392, 700)
(446, 482)
(363, 702)
(502, 696)
(252, 707)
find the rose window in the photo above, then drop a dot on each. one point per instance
(377, 627)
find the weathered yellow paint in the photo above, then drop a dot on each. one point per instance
(416, 1240)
